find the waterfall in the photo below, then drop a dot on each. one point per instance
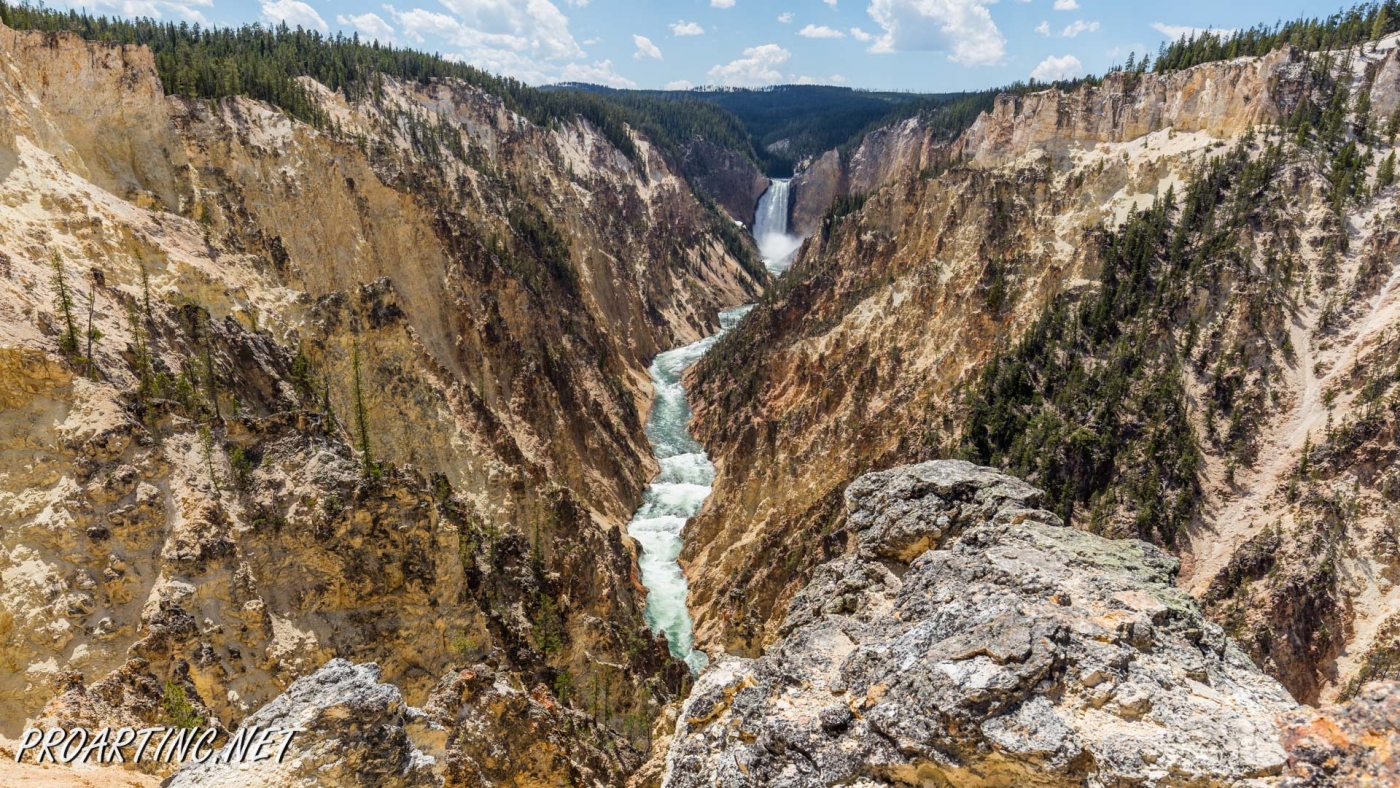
(674, 496)
(770, 227)
(773, 206)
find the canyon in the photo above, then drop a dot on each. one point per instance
(1059, 450)
(331, 407)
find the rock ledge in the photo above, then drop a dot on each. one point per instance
(972, 640)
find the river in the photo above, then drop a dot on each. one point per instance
(678, 492)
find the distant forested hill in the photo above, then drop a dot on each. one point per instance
(787, 123)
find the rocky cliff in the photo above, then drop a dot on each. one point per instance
(1168, 373)
(883, 155)
(966, 638)
(1222, 100)
(725, 176)
(275, 394)
(971, 639)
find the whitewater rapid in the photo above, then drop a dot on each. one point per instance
(675, 495)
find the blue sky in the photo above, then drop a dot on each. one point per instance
(918, 45)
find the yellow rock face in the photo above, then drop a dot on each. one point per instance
(193, 506)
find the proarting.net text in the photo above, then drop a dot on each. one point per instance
(154, 745)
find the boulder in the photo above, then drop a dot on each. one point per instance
(357, 732)
(972, 640)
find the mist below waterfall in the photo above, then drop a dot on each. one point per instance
(770, 227)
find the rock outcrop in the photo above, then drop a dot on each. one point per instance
(813, 189)
(971, 639)
(885, 154)
(504, 734)
(350, 729)
(1353, 745)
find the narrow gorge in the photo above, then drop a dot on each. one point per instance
(679, 491)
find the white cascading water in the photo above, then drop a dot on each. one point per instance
(770, 227)
(675, 495)
(678, 492)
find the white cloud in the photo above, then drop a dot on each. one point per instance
(861, 35)
(645, 48)
(1071, 30)
(1066, 5)
(418, 22)
(588, 42)
(600, 73)
(514, 37)
(684, 28)
(820, 31)
(372, 26)
(758, 67)
(1079, 26)
(578, 3)
(721, 3)
(680, 84)
(187, 10)
(526, 39)
(962, 28)
(1054, 68)
(295, 13)
(831, 3)
(785, 17)
(837, 79)
(1177, 31)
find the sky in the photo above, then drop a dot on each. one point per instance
(907, 45)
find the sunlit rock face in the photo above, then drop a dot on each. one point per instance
(357, 392)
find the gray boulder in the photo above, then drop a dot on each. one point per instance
(972, 640)
(357, 732)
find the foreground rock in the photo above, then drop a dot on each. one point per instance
(971, 639)
(357, 732)
(501, 736)
(1355, 744)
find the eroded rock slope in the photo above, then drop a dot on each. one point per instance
(272, 394)
(1167, 299)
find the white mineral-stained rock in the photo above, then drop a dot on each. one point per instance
(970, 640)
(356, 731)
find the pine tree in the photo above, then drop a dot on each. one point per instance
(1382, 24)
(1385, 174)
(326, 407)
(93, 334)
(63, 304)
(362, 420)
